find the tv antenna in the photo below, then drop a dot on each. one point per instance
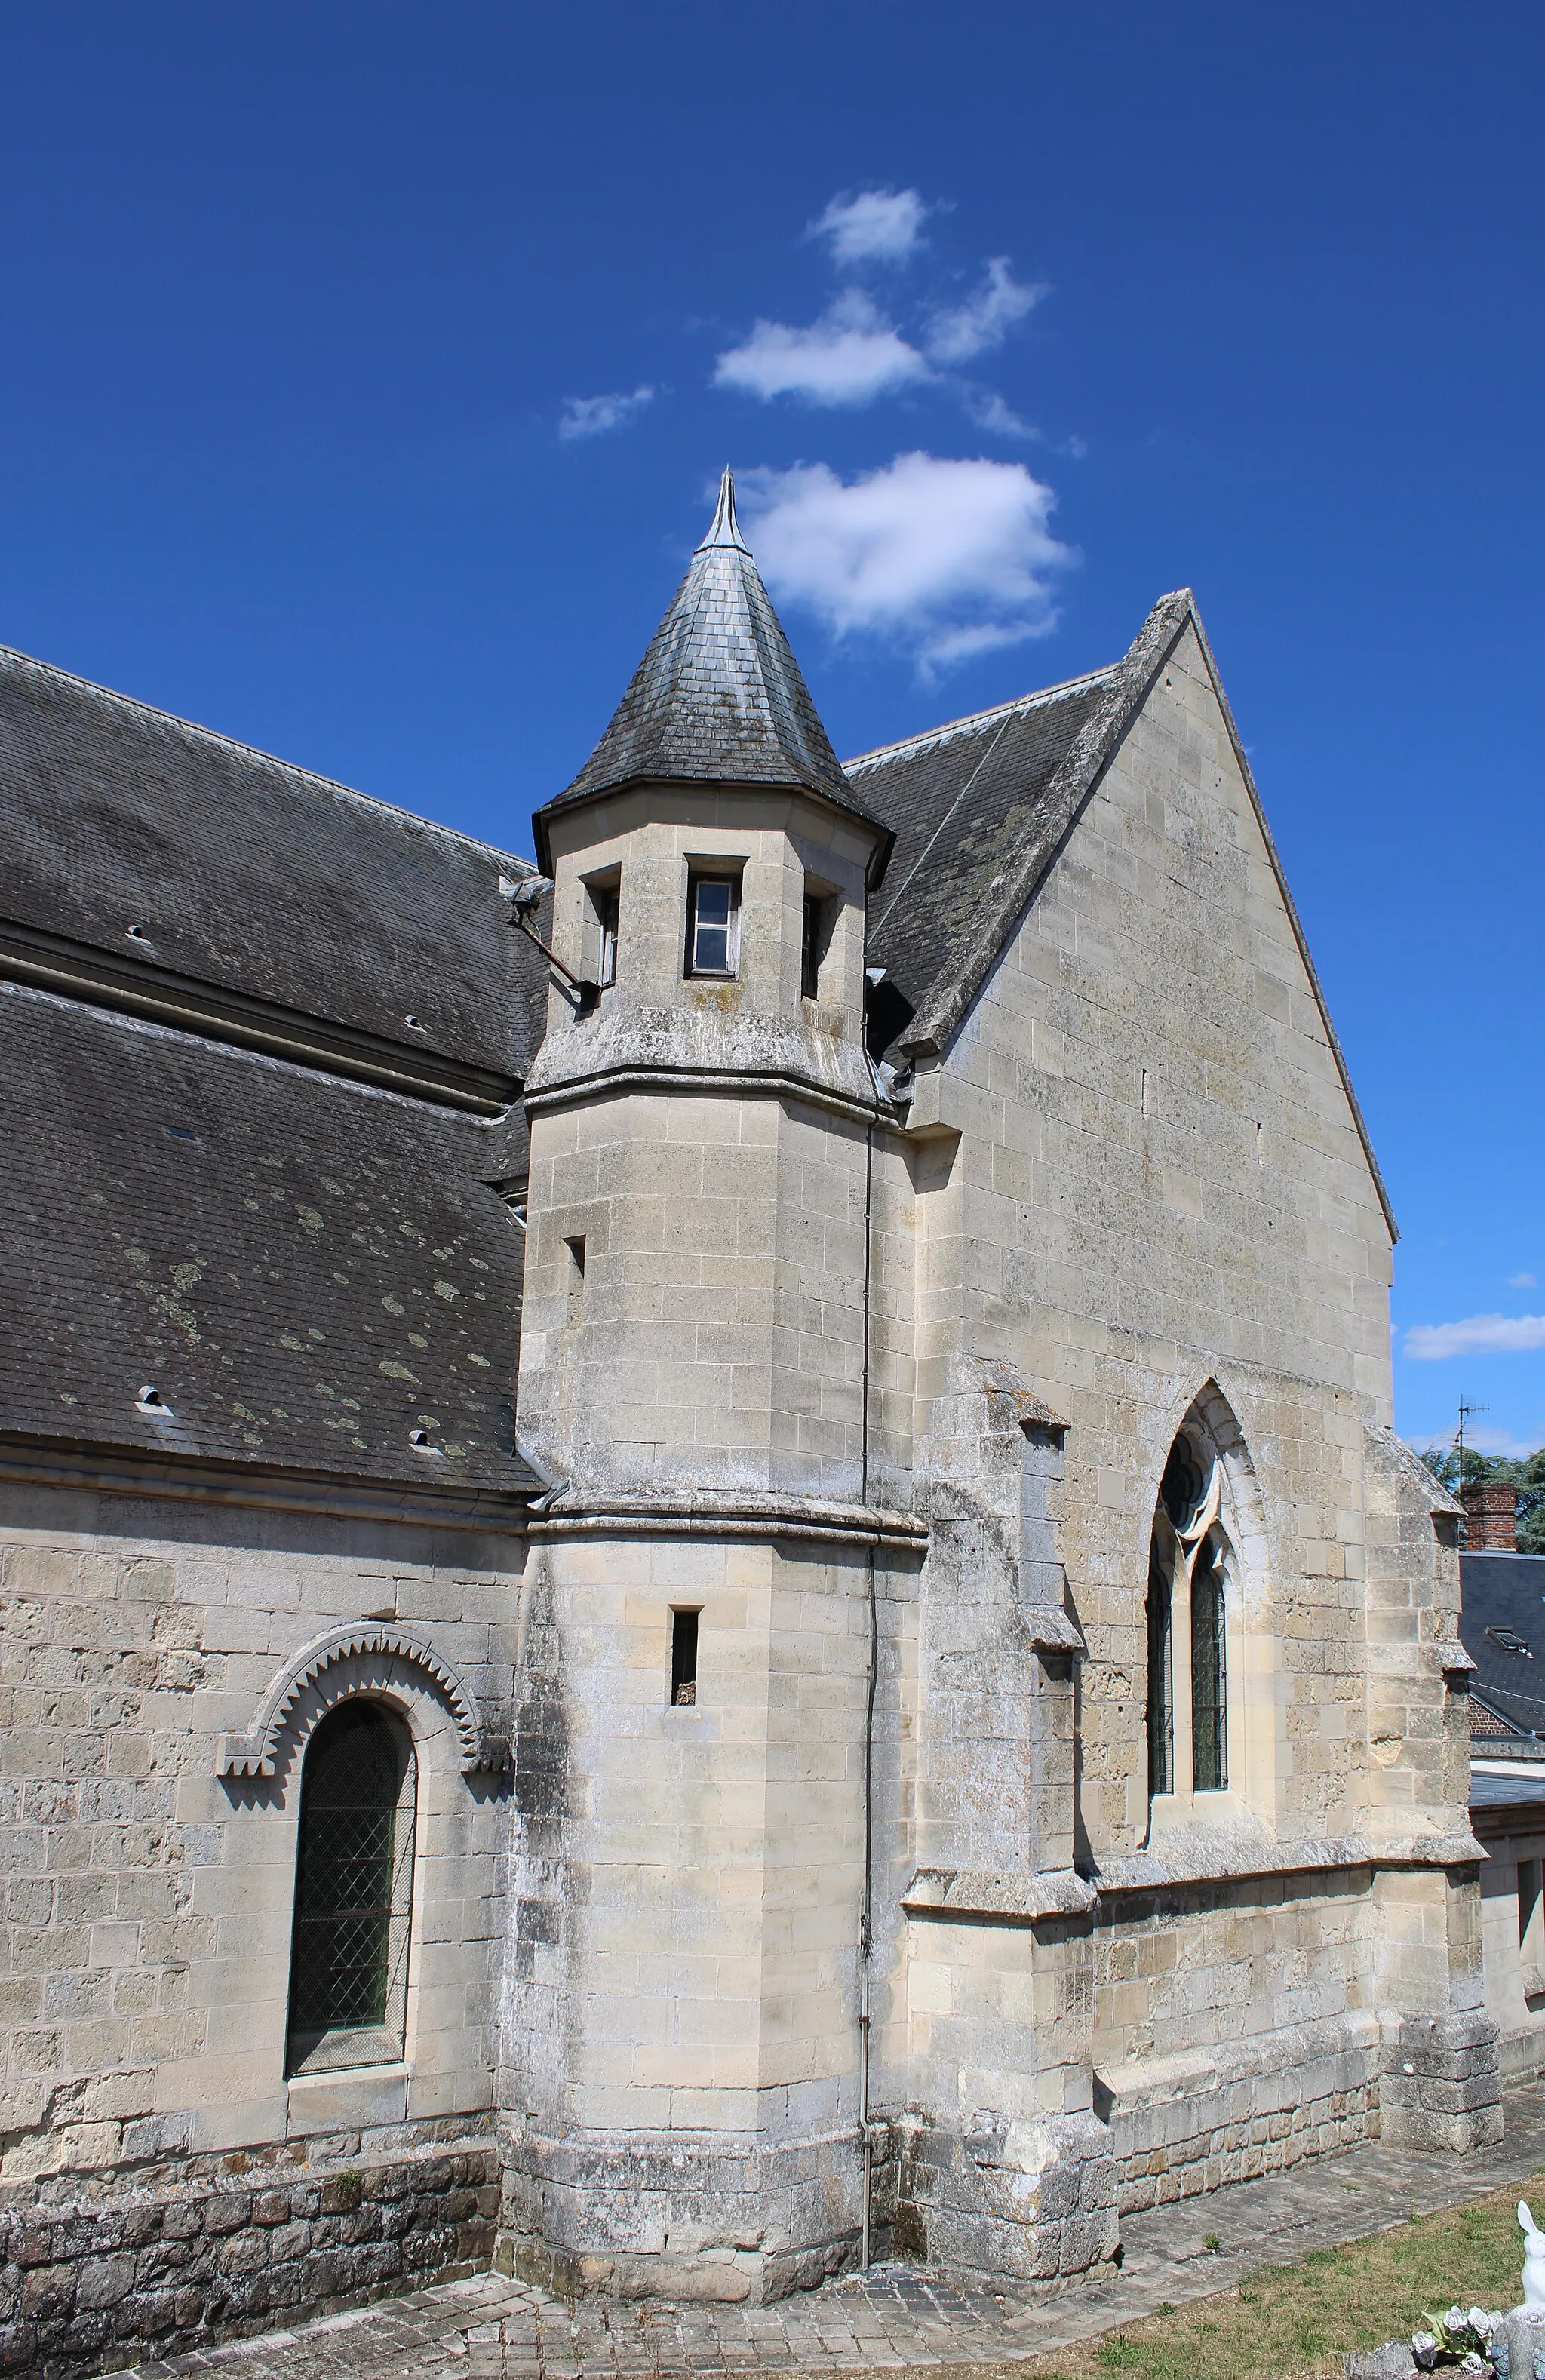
(1468, 1411)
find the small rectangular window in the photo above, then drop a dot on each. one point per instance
(712, 925)
(604, 903)
(576, 1295)
(684, 1656)
(813, 947)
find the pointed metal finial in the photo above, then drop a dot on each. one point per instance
(726, 529)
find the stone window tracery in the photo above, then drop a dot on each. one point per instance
(1190, 1557)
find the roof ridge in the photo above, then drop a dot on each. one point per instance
(1038, 695)
(257, 752)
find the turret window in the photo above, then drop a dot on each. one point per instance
(713, 925)
(606, 937)
(819, 915)
(603, 897)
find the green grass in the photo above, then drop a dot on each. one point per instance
(1294, 2322)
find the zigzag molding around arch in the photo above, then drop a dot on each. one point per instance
(255, 1752)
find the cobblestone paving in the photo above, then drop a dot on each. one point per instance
(894, 2317)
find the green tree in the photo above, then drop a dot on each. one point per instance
(1525, 1475)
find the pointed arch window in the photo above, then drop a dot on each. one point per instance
(1190, 1557)
(353, 1891)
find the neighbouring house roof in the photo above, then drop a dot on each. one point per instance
(1502, 1624)
(304, 1266)
(1501, 1806)
(718, 696)
(982, 807)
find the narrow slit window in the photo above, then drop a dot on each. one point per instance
(714, 925)
(353, 1893)
(576, 1289)
(605, 904)
(684, 1656)
(817, 934)
(1529, 1898)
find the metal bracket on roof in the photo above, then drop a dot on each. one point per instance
(522, 899)
(553, 1486)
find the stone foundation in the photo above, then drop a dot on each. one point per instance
(1027, 2201)
(1441, 2083)
(91, 2286)
(704, 2220)
(1183, 2125)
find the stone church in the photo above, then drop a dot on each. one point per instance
(703, 1567)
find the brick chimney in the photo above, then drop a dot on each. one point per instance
(1491, 1516)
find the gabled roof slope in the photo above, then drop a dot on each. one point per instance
(961, 800)
(718, 696)
(306, 1269)
(1502, 1626)
(256, 877)
(1041, 759)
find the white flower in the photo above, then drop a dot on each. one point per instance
(1424, 2347)
(1473, 2362)
(1482, 2323)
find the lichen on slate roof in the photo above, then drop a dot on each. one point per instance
(306, 1269)
(255, 876)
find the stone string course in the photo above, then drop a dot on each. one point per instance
(81, 2287)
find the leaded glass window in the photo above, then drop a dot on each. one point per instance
(1208, 1673)
(353, 1891)
(1187, 1624)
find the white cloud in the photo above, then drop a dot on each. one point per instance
(851, 355)
(958, 332)
(877, 227)
(591, 416)
(1522, 1281)
(1479, 1334)
(992, 412)
(947, 558)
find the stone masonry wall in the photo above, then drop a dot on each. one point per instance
(145, 1930)
(1200, 2142)
(224, 2252)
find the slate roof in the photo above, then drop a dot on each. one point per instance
(1502, 1605)
(254, 875)
(305, 1267)
(960, 801)
(718, 696)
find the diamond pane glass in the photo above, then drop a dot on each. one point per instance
(353, 1883)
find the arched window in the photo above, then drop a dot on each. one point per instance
(1189, 1557)
(353, 1891)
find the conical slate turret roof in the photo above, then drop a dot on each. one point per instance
(719, 696)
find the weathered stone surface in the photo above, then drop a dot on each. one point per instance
(1392, 2361)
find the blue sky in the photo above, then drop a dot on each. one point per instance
(366, 371)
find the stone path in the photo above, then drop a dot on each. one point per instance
(895, 2316)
